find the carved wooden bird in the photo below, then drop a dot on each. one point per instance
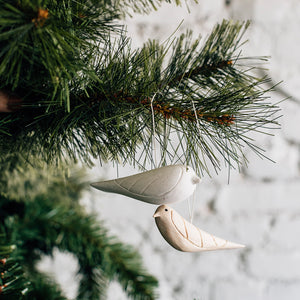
(186, 237)
(164, 185)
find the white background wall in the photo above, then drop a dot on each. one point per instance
(260, 207)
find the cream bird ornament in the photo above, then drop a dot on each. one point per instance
(186, 237)
(163, 185)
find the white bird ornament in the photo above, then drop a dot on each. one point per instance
(186, 237)
(163, 185)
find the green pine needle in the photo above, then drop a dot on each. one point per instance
(51, 218)
(107, 112)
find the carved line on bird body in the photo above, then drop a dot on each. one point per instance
(149, 184)
(180, 231)
(200, 233)
(186, 231)
(159, 195)
(129, 188)
(200, 236)
(223, 246)
(214, 240)
(135, 194)
(174, 186)
(125, 189)
(185, 236)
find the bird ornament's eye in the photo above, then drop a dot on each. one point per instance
(166, 209)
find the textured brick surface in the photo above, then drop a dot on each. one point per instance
(270, 265)
(261, 205)
(282, 290)
(241, 288)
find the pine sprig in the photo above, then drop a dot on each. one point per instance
(93, 284)
(44, 44)
(13, 283)
(43, 287)
(100, 256)
(145, 6)
(205, 94)
(51, 218)
(202, 92)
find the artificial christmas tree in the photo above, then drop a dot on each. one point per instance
(71, 88)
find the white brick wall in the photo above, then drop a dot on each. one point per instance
(260, 207)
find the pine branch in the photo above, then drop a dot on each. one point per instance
(18, 279)
(13, 283)
(52, 41)
(52, 218)
(145, 6)
(93, 283)
(43, 287)
(209, 87)
(77, 233)
(206, 93)
(204, 70)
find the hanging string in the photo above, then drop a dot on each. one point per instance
(196, 116)
(190, 210)
(198, 126)
(153, 133)
(191, 207)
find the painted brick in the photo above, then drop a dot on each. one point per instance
(191, 287)
(285, 234)
(259, 198)
(251, 231)
(240, 289)
(284, 155)
(290, 121)
(274, 265)
(282, 290)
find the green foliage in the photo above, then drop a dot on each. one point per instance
(44, 44)
(204, 94)
(143, 6)
(51, 218)
(85, 93)
(43, 287)
(12, 281)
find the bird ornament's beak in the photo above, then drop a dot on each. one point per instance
(196, 180)
(157, 214)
